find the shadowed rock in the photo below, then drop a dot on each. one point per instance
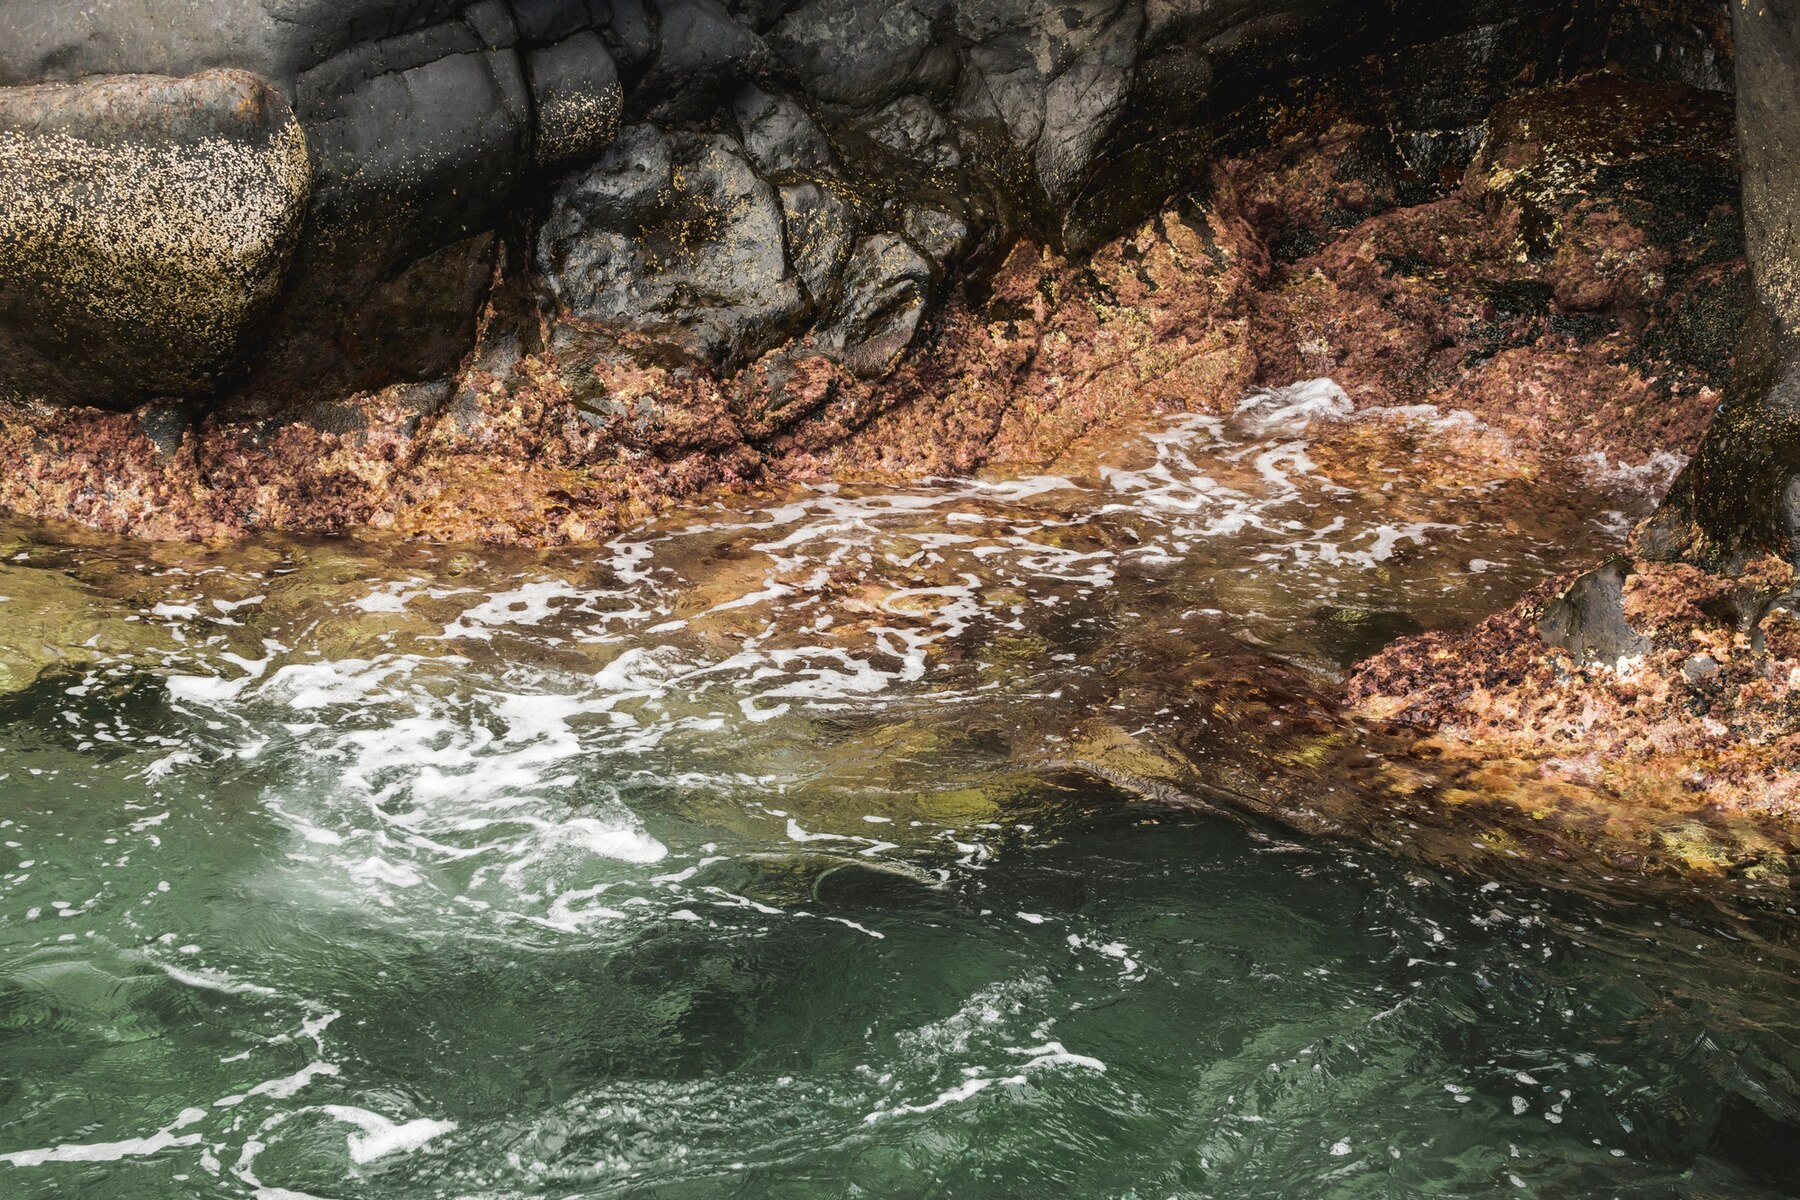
(676, 238)
(1740, 496)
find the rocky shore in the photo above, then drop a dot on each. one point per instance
(528, 273)
(1577, 289)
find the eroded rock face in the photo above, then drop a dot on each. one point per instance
(1314, 252)
(1671, 674)
(146, 224)
(1740, 497)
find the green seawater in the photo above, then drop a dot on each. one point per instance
(768, 853)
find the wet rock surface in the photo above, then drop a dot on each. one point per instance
(1697, 715)
(437, 135)
(146, 224)
(529, 272)
(728, 307)
(678, 240)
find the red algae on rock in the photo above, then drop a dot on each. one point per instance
(1555, 294)
(1576, 295)
(1700, 718)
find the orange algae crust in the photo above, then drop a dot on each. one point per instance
(1697, 731)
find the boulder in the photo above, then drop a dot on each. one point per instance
(862, 53)
(145, 227)
(779, 134)
(576, 96)
(672, 242)
(887, 286)
(820, 229)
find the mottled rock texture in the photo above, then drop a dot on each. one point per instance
(618, 390)
(523, 271)
(1674, 669)
(899, 146)
(145, 224)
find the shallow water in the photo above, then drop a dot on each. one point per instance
(769, 853)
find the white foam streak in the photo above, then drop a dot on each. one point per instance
(165, 1138)
(381, 1137)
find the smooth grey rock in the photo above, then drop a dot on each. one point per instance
(576, 95)
(1588, 619)
(1700, 669)
(430, 124)
(276, 39)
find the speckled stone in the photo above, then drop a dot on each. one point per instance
(145, 224)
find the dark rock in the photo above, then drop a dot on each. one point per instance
(887, 285)
(354, 320)
(1737, 498)
(1042, 89)
(576, 96)
(701, 51)
(858, 53)
(819, 232)
(145, 226)
(915, 132)
(630, 35)
(1588, 618)
(779, 134)
(675, 239)
(166, 423)
(422, 136)
(943, 237)
(544, 22)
